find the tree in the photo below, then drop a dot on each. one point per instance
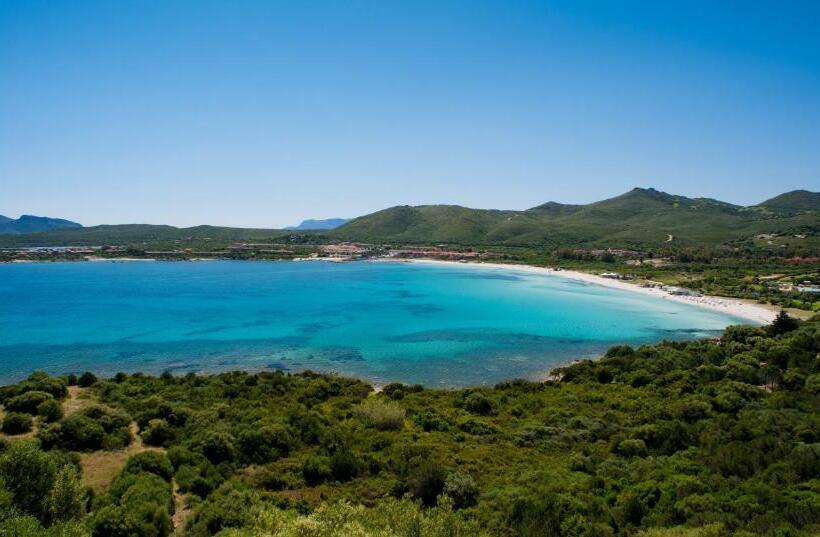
(66, 501)
(29, 475)
(782, 324)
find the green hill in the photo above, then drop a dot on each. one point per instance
(142, 234)
(793, 202)
(639, 218)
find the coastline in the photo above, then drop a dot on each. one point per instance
(736, 307)
(756, 313)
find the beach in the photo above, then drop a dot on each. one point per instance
(756, 313)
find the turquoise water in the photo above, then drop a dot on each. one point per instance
(436, 325)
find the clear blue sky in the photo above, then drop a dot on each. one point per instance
(264, 113)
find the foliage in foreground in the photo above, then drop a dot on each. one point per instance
(680, 439)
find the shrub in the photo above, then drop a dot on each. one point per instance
(51, 410)
(426, 482)
(478, 403)
(461, 489)
(66, 501)
(344, 465)
(28, 474)
(43, 382)
(80, 433)
(17, 423)
(316, 470)
(158, 433)
(27, 402)
(632, 447)
(813, 384)
(153, 462)
(217, 446)
(431, 422)
(267, 443)
(71, 380)
(87, 379)
(381, 415)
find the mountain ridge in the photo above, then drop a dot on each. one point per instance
(643, 218)
(319, 224)
(28, 223)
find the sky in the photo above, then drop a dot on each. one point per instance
(263, 113)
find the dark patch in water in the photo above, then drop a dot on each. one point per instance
(278, 366)
(134, 336)
(252, 324)
(422, 309)
(205, 331)
(182, 367)
(342, 354)
(487, 335)
(401, 293)
(314, 328)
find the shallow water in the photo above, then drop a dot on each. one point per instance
(431, 324)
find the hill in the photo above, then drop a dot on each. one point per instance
(143, 234)
(32, 224)
(641, 218)
(329, 223)
(793, 202)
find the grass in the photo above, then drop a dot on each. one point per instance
(101, 467)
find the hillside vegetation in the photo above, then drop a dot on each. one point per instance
(641, 218)
(697, 439)
(144, 235)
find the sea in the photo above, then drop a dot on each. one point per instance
(432, 324)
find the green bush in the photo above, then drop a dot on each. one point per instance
(426, 482)
(461, 489)
(28, 402)
(66, 500)
(381, 415)
(28, 474)
(266, 444)
(344, 465)
(51, 410)
(478, 403)
(87, 379)
(17, 423)
(158, 433)
(154, 462)
(217, 446)
(316, 470)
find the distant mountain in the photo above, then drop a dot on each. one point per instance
(33, 224)
(640, 218)
(793, 202)
(330, 223)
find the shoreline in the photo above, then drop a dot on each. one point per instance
(756, 313)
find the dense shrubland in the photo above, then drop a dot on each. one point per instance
(703, 438)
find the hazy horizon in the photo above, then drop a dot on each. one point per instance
(257, 114)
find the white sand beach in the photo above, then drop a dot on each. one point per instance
(756, 313)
